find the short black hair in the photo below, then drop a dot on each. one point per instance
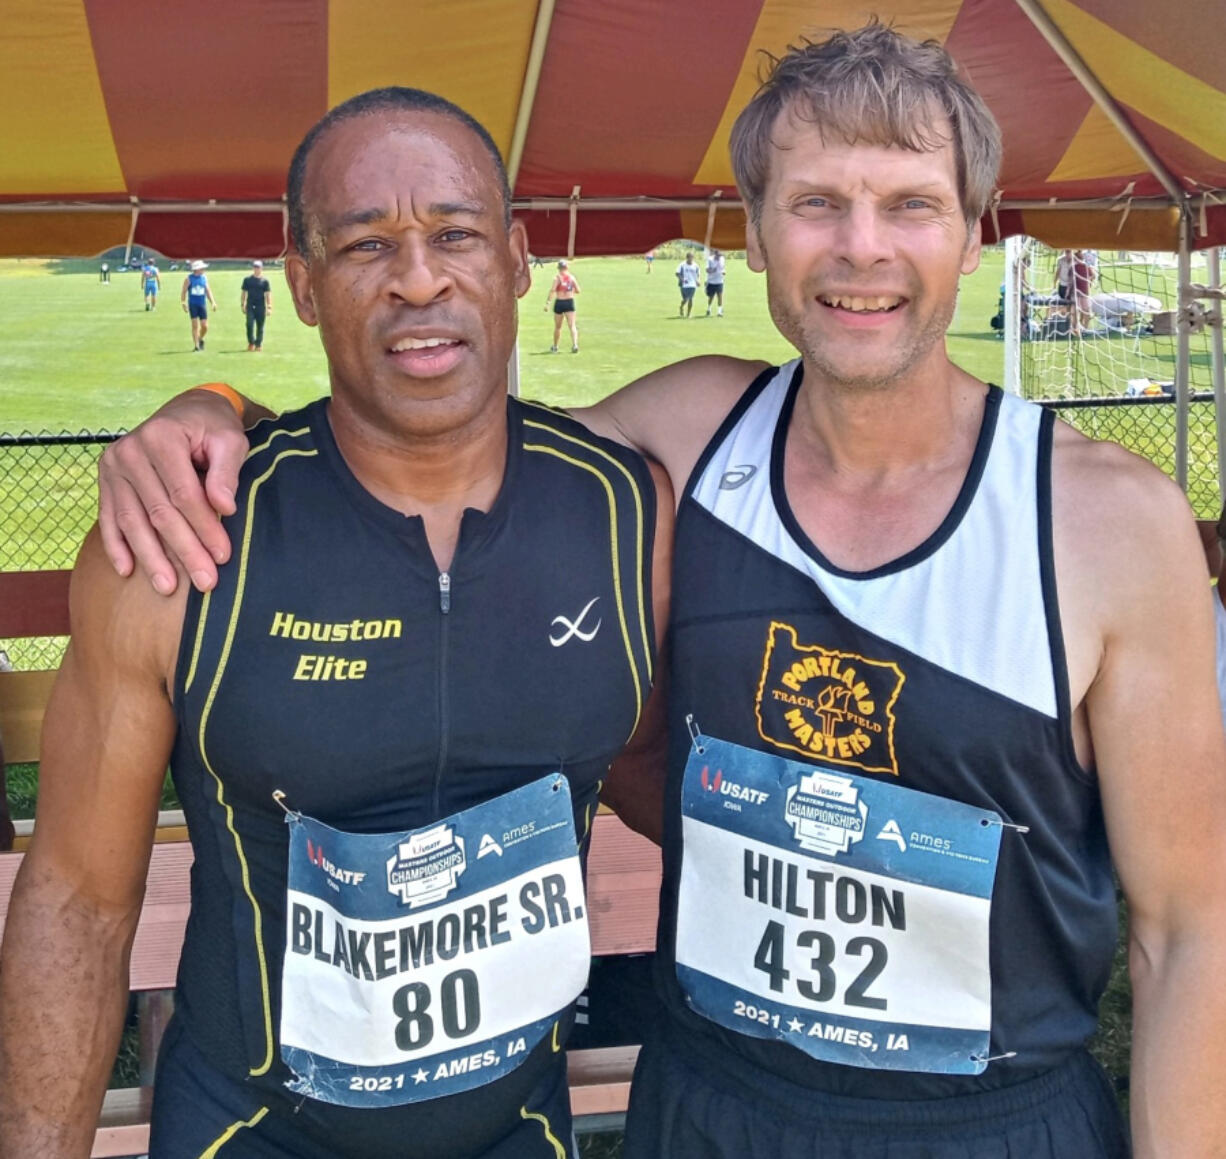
(393, 98)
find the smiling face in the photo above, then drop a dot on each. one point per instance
(411, 274)
(863, 246)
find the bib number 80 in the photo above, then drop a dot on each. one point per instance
(460, 1003)
(823, 983)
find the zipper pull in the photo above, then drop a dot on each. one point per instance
(444, 592)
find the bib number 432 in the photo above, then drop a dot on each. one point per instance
(821, 981)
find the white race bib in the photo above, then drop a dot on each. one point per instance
(423, 963)
(844, 916)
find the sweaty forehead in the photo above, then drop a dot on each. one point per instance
(392, 158)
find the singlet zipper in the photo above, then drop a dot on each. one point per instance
(444, 607)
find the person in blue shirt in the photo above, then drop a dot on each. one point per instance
(196, 298)
(152, 283)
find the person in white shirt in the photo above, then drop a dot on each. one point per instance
(687, 278)
(715, 282)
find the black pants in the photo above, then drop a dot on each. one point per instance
(255, 327)
(683, 1106)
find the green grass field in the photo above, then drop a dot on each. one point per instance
(75, 354)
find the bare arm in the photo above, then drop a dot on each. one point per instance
(151, 502)
(64, 964)
(671, 413)
(634, 788)
(1154, 720)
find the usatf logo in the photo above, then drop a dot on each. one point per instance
(315, 855)
(826, 704)
(717, 784)
(425, 868)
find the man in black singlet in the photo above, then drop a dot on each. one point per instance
(917, 705)
(388, 723)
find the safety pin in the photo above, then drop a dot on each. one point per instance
(695, 734)
(1006, 825)
(987, 1058)
(278, 795)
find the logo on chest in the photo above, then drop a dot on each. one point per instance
(827, 704)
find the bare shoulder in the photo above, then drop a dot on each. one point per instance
(671, 413)
(1120, 523)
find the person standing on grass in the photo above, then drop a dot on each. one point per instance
(104, 273)
(688, 273)
(388, 780)
(152, 281)
(196, 297)
(715, 282)
(256, 304)
(563, 293)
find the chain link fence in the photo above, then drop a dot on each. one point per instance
(49, 493)
(1146, 425)
(48, 502)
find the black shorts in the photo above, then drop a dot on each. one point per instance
(714, 288)
(684, 1106)
(198, 1111)
(563, 305)
(198, 310)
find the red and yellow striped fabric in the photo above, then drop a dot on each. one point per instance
(172, 124)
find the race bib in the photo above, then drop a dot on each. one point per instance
(844, 916)
(423, 963)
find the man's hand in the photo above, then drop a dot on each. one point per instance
(151, 499)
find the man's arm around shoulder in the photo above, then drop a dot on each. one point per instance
(1135, 563)
(64, 965)
(671, 413)
(634, 788)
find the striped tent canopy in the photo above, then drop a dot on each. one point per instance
(170, 124)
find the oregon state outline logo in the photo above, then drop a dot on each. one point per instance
(836, 707)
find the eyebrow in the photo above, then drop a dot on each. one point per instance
(438, 209)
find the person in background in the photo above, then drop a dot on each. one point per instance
(688, 273)
(256, 304)
(152, 283)
(563, 292)
(196, 298)
(715, 282)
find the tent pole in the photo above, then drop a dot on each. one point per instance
(1013, 314)
(527, 95)
(1219, 369)
(1183, 350)
(1102, 98)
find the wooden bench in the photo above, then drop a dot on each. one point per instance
(623, 892)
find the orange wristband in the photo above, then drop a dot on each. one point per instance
(227, 392)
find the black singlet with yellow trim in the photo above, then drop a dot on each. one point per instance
(964, 696)
(335, 663)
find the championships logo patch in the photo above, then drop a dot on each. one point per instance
(837, 707)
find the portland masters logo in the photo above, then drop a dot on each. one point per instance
(828, 705)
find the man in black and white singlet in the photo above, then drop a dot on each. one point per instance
(916, 706)
(388, 722)
(933, 655)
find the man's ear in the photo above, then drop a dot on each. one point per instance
(298, 276)
(517, 236)
(974, 246)
(755, 258)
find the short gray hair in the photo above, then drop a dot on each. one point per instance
(877, 86)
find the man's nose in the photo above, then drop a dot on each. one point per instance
(864, 237)
(418, 274)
